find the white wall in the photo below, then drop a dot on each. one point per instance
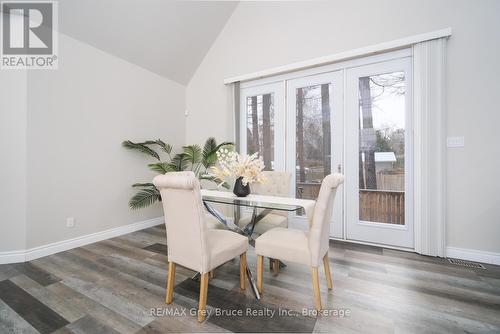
(263, 35)
(13, 86)
(78, 116)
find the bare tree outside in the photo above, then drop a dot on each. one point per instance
(300, 135)
(313, 138)
(366, 136)
(255, 125)
(260, 127)
(266, 129)
(325, 113)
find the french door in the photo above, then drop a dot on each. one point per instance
(315, 138)
(354, 118)
(378, 153)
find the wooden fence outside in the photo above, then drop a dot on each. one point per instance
(307, 190)
(382, 206)
(391, 181)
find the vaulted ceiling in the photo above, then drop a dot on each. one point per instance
(169, 38)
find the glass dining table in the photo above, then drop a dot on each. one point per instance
(260, 207)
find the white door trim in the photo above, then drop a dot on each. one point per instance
(337, 141)
(385, 234)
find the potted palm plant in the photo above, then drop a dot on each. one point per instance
(192, 157)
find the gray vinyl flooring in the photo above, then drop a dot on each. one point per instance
(118, 286)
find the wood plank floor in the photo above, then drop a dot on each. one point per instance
(118, 286)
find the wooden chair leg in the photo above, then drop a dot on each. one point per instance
(276, 267)
(243, 270)
(260, 273)
(317, 294)
(328, 274)
(202, 304)
(170, 282)
(212, 274)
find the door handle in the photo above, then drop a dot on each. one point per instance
(339, 168)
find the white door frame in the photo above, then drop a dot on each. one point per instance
(337, 129)
(380, 233)
(283, 80)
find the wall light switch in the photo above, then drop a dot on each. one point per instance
(455, 142)
(70, 222)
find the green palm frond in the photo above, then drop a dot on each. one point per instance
(226, 143)
(167, 148)
(210, 160)
(192, 153)
(210, 151)
(141, 147)
(192, 157)
(180, 162)
(162, 167)
(144, 198)
(210, 145)
(141, 185)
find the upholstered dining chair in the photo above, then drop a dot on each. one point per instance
(190, 243)
(277, 184)
(304, 247)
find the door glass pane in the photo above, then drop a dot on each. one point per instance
(382, 148)
(260, 127)
(313, 143)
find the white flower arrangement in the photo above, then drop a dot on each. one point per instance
(232, 164)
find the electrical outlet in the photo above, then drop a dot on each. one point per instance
(452, 142)
(70, 222)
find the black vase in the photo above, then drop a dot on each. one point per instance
(239, 189)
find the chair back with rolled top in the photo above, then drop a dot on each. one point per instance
(184, 219)
(277, 184)
(319, 231)
(309, 247)
(190, 243)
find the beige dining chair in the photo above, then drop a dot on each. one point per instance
(276, 184)
(190, 243)
(304, 247)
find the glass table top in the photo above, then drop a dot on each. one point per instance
(250, 202)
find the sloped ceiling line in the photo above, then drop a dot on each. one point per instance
(169, 38)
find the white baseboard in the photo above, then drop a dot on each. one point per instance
(60, 246)
(473, 255)
(12, 257)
